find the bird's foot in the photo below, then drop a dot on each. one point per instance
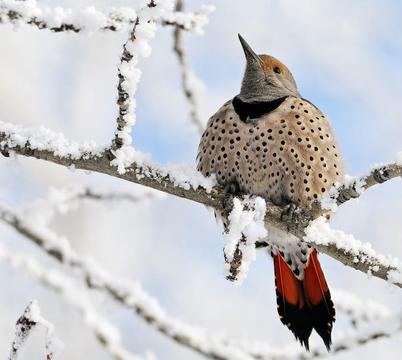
(232, 188)
(290, 215)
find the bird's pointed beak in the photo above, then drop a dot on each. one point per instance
(251, 56)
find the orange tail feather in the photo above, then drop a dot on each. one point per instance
(304, 304)
(318, 297)
(290, 299)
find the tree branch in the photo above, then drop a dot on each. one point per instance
(358, 311)
(90, 19)
(187, 77)
(25, 325)
(131, 295)
(87, 193)
(189, 184)
(376, 330)
(107, 335)
(127, 293)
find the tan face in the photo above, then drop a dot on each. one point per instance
(277, 73)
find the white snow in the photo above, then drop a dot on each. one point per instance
(30, 319)
(358, 309)
(130, 293)
(191, 21)
(136, 47)
(246, 218)
(89, 19)
(44, 139)
(320, 233)
(41, 138)
(139, 47)
(75, 295)
(328, 201)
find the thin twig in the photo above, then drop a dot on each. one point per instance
(115, 19)
(125, 95)
(76, 296)
(27, 323)
(186, 73)
(127, 293)
(131, 295)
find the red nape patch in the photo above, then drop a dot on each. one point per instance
(315, 286)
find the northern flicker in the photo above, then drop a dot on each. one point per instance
(269, 141)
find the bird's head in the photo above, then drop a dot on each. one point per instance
(265, 78)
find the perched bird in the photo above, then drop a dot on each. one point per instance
(269, 141)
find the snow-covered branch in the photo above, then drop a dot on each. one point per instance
(106, 334)
(129, 76)
(375, 330)
(62, 200)
(187, 183)
(128, 293)
(361, 255)
(358, 311)
(245, 227)
(90, 19)
(72, 195)
(188, 79)
(131, 295)
(25, 325)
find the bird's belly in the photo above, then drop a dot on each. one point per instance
(289, 155)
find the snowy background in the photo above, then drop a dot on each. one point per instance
(346, 57)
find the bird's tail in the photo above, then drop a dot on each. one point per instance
(304, 305)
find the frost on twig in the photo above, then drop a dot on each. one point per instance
(123, 154)
(24, 327)
(365, 258)
(245, 227)
(77, 297)
(188, 79)
(126, 292)
(131, 295)
(63, 200)
(376, 330)
(358, 311)
(90, 19)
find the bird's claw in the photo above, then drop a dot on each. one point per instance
(232, 188)
(290, 215)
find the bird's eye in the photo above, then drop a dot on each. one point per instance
(277, 70)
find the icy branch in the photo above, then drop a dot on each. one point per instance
(25, 325)
(127, 293)
(63, 197)
(129, 76)
(245, 228)
(359, 311)
(144, 28)
(375, 330)
(365, 257)
(90, 19)
(107, 335)
(187, 183)
(188, 78)
(62, 200)
(131, 295)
